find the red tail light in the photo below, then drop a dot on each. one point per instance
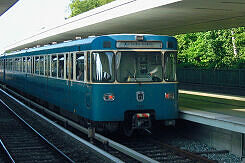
(169, 95)
(109, 97)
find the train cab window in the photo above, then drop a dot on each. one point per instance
(37, 70)
(61, 66)
(47, 65)
(139, 66)
(28, 65)
(170, 66)
(80, 66)
(54, 65)
(103, 67)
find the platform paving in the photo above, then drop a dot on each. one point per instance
(214, 103)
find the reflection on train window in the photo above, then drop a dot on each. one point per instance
(41, 65)
(139, 66)
(54, 66)
(103, 67)
(80, 66)
(61, 66)
(37, 65)
(47, 65)
(28, 66)
(170, 66)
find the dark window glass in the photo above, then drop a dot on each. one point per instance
(28, 66)
(54, 65)
(41, 65)
(61, 66)
(24, 64)
(47, 65)
(37, 70)
(88, 67)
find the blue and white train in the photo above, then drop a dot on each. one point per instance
(110, 81)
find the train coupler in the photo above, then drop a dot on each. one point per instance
(141, 121)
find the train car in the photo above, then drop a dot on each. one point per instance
(126, 80)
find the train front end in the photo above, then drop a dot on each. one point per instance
(136, 84)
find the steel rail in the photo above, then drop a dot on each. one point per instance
(104, 154)
(7, 152)
(38, 134)
(127, 151)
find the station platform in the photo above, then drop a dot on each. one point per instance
(217, 110)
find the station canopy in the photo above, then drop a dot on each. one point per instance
(164, 17)
(5, 5)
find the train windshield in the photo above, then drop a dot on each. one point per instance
(103, 67)
(135, 66)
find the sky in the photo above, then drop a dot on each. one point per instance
(28, 17)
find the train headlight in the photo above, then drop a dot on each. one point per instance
(109, 97)
(169, 95)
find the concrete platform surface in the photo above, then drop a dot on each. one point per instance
(213, 103)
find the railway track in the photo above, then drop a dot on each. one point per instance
(22, 143)
(131, 150)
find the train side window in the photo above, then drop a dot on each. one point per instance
(10, 65)
(41, 63)
(61, 66)
(80, 66)
(69, 66)
(37, 65)
(88, 66)
(28, 65)
(47, 65)
(54, 65)
(169, 67)
(20, 64)
(24, 64)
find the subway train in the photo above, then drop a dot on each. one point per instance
(119, 81)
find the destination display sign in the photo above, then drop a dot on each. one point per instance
(139, 44)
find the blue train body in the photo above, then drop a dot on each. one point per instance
(123, 77)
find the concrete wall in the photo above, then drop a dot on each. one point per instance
(220, 139)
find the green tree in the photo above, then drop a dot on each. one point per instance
(79, 6)
(212, 49)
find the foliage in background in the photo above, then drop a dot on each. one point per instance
(80, 6)
(212, 49)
